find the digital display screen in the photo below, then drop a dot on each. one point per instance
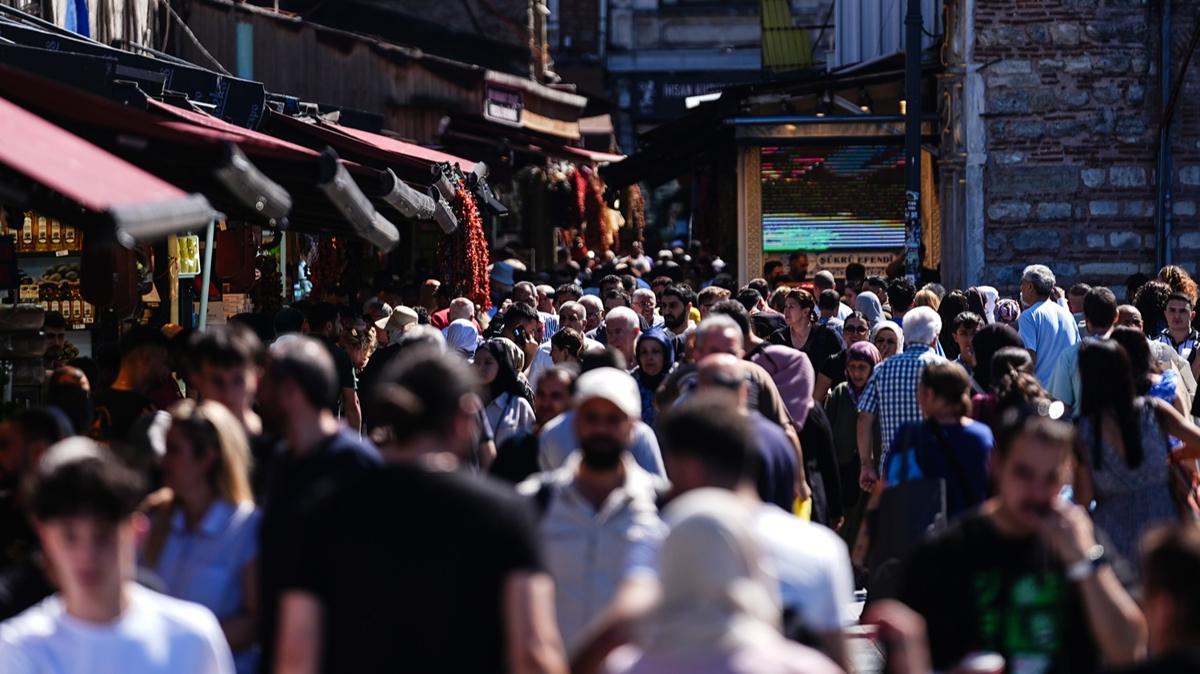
(832, 196)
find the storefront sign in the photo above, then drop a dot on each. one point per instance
(503, 105)
(876, 262)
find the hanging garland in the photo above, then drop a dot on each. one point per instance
(637, 211)
(464, 254)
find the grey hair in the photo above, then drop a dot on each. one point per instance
(457, 307)
(921, 326)
(1040, 277)
(572, 306)
(591, 301)
(717, 323)
(425, 335)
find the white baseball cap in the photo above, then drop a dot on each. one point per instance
(400, 318)
(611, 384)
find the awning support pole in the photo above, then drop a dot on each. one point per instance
(206, 275)
(283, 282)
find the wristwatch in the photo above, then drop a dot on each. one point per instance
(1093, 559)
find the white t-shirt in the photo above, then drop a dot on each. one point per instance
(813, 565)
(155, 635)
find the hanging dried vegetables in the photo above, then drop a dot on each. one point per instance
(464, 255)
(327, 265)
(592, 196)
(637, 211)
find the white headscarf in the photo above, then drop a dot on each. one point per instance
(461, 336)
(990, 297)
(728, 602)
(890, 325)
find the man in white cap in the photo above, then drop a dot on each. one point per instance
(599, 522)
(395, 324)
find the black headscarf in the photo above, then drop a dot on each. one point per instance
(506, 380)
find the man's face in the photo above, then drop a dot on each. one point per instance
(610, 285)
(964, 337)
(644, 304)
(603, 431)
(611, 303)
(89, 556)
(675, 313)
(722, 341)
(551, 398)
(1179, 316)
(545, 301)
(234, 387)
(1075, 303)
(799, 266)
(572, 316)
(523, 292)
(1128, 316)
(705, 307)
(1030, 478)
(1028, 296)
(595, 314)
(57, 338)
(562, 298)
(621, 336)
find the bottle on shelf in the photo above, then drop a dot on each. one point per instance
(76, 304)
(69, 236)
(55, 234)
(43, 234)
(26, 244)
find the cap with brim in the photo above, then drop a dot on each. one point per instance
(401, 317)
(611, 384)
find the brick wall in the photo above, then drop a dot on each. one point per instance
(1071, 112)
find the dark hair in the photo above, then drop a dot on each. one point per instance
(707, 428)
(950, 383)
(1141, 361)
(1134, 283)
(829, 300)
(1017, 421)
(1151, 300)
(141, 336)
(43, 425)
(770, 266)
(855, 271)
(615, 295)
(1107, 379)
(232, 345)
(309, 364)
(967, 319)
(749, 298)
(319, 314)
(609, 357)
(287, 320)
(628, 283)
(420, 392)
(1180, 297)
(990, 339)
(611, 278)
(1100, 307)
(79, 477)
(1013, 380)
(520, 311)
(64, 392)
(734, 310)
(571, 373)
(681, 291)
(878, 281)
(953, 304)
(569, 340)
(54, 319)
(571, 289)
(1169, 562)
(761, 285)
(976, 302)
(901, 293)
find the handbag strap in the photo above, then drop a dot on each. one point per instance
(960, 474)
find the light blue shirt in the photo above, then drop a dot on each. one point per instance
(205, 566)
(1049, 331)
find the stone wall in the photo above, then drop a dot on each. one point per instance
(1071, 113)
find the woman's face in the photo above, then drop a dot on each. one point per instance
(854, 330)
(650, 357)
(858, 373)
(182, 470)
(887, 342)
(796, 315)
(486, 366)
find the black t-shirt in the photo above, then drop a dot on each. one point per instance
(835, 368)
(822, 343)
(410, 566)
(345, 370)
(115, 412)
(981, 591)
(516, 458)
(294, 483)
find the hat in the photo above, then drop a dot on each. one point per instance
(401, 318)
(611, 384)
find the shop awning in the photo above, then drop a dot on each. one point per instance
(55, 171)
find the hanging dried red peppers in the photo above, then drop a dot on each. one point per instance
(465, 254)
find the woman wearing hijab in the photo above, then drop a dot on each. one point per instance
(867, 303)
(990, 298)
(462, 337)
(854, 329)
(953, 304)
(1008, 311)
(888, 338)
(506, 398)
(655, 354)
(842, 410)
(722, 616)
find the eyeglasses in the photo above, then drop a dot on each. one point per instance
(856, 329)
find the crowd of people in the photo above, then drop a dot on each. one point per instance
(630, 466)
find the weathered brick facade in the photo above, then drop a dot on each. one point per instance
(1070, 109)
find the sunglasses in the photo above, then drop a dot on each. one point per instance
(856, 329)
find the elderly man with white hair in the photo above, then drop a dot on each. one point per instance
(644, 303)
(891, 393)
(594, 308)
(1047, 328)
(623, 326)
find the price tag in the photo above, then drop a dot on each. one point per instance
(61, 253)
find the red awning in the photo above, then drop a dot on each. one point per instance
(81, 173)
(402, 147)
